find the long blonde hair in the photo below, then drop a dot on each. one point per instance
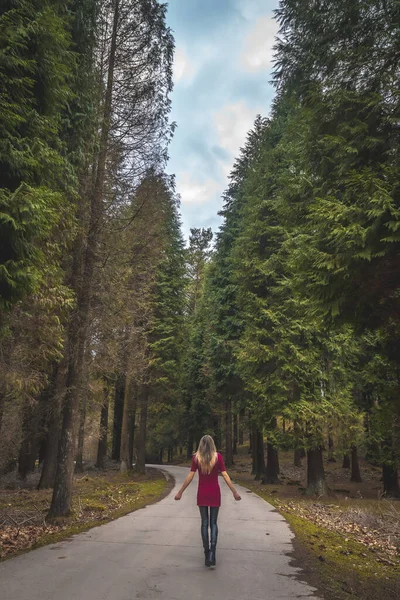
(206, 454)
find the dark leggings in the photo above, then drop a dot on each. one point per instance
(209, 516)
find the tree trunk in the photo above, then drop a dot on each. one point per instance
(79, 322)
(299, 453)
(132, 424)
(235, 433)
(27, 455)
(81, 436)
(126, 432)
(103, 434)
(346, 461)
(50, 459)
(140, 467)
(32, 432)
(42, 450)
(62, 492)
(355, 466)
(228, 434)
(2, 403)
(217, 432)
(28, 448)
(48, 474)
(118, 415)
(331, 449)
(251, 444)
(316, 484)
(253, 449)
(189, 447)
(298, 462)
(241, 427)
(258, 453)
(390, 481)
(272, 468)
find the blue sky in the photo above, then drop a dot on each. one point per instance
(222, 72)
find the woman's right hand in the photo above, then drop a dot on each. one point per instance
(236, 496)
(178, 496)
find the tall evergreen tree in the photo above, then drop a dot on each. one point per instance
(135, 103)
(36, 64)
(226, 386)
(194, 390)
(341, 64)
(164, 332)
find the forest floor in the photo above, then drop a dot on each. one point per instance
(98, 497)
(347, 543)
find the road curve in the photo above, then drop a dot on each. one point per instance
(156, 554)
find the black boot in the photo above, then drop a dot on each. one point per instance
(211, 556)
(207, 557)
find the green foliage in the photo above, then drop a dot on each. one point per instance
(341, 69)
(302, 289)
(165, 333)
(36, 72)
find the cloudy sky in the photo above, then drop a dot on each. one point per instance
(222, 72)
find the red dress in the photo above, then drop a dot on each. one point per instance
(208, 492)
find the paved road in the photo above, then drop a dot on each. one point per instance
(156, 554)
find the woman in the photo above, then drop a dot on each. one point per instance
(208, 462)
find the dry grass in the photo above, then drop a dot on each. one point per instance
(98, 498)
(349, 541)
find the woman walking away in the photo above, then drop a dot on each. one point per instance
(208, 462)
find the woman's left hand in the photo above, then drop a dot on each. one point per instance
(236, 496)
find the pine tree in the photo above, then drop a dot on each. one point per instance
(36, 65)
(160, 383)
(38, 184)
(197, 415)
(339, 63)
(134, 118)
(226, 386)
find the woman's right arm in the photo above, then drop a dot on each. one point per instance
(229, 483)
(187, 481)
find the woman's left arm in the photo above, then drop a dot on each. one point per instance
(185, 484)
(229, 483)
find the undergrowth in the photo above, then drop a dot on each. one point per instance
(97, 499)
(342, 566)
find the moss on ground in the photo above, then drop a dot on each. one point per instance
(96, 500)
(336, 564)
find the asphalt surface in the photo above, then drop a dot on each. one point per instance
(156, 554)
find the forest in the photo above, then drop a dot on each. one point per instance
(280, 330)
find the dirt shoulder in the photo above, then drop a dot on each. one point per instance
(98, 498)
(337, 565)
(347, 544)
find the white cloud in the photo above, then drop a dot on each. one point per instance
(232, 124)
(251, 9)
(193, 191)
(258, 47)
(183, 68)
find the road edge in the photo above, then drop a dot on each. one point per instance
(64, 535)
